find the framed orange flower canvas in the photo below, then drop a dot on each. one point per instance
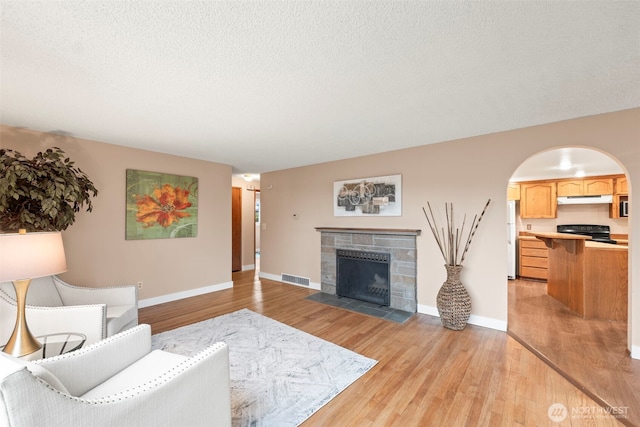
(161, 206)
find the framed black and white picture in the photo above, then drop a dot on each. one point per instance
(377, 196)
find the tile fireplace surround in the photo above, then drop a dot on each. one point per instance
(401, 244)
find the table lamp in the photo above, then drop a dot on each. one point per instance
(26, 256)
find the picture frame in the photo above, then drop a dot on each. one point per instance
(160, 205)
(375, 196)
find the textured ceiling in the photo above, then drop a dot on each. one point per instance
(269, 85)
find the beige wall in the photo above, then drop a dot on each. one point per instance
(466, 172)
(96, 249)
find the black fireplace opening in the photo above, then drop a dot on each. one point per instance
(363, 276)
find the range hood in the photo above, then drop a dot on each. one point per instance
(585, 200)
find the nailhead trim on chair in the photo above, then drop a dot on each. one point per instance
(164, 378)
(86, 288)
(42, 307)
(140, 389)
(57, 279)
(13, 302)
(95, 345)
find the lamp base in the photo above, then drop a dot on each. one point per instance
(21, 342)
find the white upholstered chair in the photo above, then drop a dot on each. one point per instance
(118, 382)
(54, 306)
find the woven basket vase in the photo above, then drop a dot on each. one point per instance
(454, 303)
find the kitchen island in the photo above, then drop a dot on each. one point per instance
(590, 278)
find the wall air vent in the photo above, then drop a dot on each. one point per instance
(295, 280)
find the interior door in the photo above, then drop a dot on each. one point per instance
(236, 229)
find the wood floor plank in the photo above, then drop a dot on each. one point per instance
(426, 375)
(591, 353)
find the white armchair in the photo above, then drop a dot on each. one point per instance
(55, 306)
(118, 382)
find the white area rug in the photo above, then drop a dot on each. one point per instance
(280, 375)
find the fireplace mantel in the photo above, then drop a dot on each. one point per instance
(399, 243)
(393, 231)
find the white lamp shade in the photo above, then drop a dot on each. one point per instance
(31, 255)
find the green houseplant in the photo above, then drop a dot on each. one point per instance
(43, 193)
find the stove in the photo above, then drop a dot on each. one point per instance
(598, 233)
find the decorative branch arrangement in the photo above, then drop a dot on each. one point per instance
(450, 241)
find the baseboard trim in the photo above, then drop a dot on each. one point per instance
(427, 309)
(148, 302)
(248, 267)
(278, 278)
(485, 322)
(635, 352)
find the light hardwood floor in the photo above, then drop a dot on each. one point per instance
(591, 354)
(426, 375)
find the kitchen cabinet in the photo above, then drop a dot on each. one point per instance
(621, 186)
(620, 193)
(590, 278)
(538, 200)
(570, 188)
(585, 187)
(614, 210)
(598, 186)
(534, 258)
(513, 191)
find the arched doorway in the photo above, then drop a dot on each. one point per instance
(571, 343)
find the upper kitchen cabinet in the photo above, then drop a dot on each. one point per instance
(621, 186)
(538, 200)
(570, 188)
(598, 186)
(585, 187)
(513, 191)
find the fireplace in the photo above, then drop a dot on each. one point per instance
(398, 245)
(363, 276)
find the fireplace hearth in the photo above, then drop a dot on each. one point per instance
(363, 276)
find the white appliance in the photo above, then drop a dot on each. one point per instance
(511, 239)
